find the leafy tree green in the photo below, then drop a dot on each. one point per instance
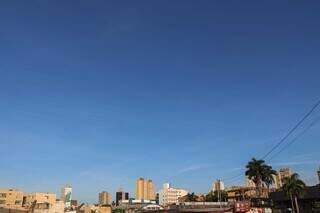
(214, 196)
(191, 197)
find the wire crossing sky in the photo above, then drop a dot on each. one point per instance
(99, 93)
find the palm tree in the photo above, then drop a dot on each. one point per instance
(268, 178)
(259, 172)
(294, 188)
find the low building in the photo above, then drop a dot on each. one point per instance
(152, 208)
(169, 195)
(40, 197)
(239, 193)
(57, 207)
(209, 207)
(131, 204)
(95, 208)
(11, 198)
(309, 202)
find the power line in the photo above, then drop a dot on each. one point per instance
(296, 138)
(292, 130)
(236, 177)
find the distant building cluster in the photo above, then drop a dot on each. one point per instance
(145, 199)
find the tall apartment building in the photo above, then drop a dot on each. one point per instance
(217, 185)
(41, 197)
(145, 190)
(104, 198)
(10, 198)
(282, 174)
(66, 196)
(169, 195)
(121, 195)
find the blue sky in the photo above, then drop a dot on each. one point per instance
(100, 93)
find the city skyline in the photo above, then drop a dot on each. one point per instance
(98, 94)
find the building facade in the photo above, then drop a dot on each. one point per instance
(40, 197)
(319, 175)
(105, 198)
(282, 174)
(218, 186)
(57, 207)
(121, 195)
(145, 190)
(250, 183)
(169, 195)
(66, 195)
(10, 198)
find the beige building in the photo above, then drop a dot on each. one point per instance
(41, 197)
(218, 186)
(104, 198)
(140, 189)
(282, 174)
(250, 183)
(93, 208)
(11, 198)
(45, 207)
(145, 190)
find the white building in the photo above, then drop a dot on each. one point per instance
(66, 196)
(169, 195)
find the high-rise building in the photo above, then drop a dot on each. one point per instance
(282, 174)
(11, 198)
(150, 191)
(104, 198)
(140, 189)
(218, 186)
(66, 195)
(145, 190)
(121, 195)
(169, 195)
(319, 175)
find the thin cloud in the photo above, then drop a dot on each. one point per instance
(295, 163)
(192, 168)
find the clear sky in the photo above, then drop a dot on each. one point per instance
(100, 93)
